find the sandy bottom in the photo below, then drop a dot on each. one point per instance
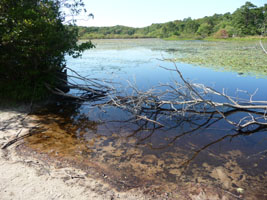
(24, 176)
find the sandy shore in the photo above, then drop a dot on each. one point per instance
(24, 177)
(28, 178)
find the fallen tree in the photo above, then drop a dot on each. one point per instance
(192, 103)
(183, 98)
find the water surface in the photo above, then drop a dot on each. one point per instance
(142, 154)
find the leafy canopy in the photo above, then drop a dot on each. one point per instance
(33, 44)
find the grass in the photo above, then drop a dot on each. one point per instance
(182, 38)
(238, 39)
(231, 39)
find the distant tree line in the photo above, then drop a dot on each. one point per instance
(247, 20)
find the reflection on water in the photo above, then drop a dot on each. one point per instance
(136, 153)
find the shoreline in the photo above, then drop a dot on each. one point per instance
(26, 177)
(211, 39)
(27, 174)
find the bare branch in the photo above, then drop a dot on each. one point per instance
(184, 98)
(264, 50)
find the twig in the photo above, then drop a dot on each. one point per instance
(264, 50)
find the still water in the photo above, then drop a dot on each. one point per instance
(139, 154)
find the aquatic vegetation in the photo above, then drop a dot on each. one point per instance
(245, 58)
(241, 57)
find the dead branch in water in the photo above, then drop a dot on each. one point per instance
(180, 98)
(264, 50)
(82, 88)
(184, 98)
(192, 103)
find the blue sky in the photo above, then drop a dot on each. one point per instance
(140, 13)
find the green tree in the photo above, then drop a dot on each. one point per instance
(33, 44)
(191, 27)
(164, 32)
(264, 25)
(248, 19)
(204, 30)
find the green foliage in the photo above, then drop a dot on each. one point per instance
(248, 19)
(245, 21)
(33, 43)
(191, 27)
(204, 30)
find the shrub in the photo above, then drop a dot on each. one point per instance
(221, 34)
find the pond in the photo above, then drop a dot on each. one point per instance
(134, 154)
